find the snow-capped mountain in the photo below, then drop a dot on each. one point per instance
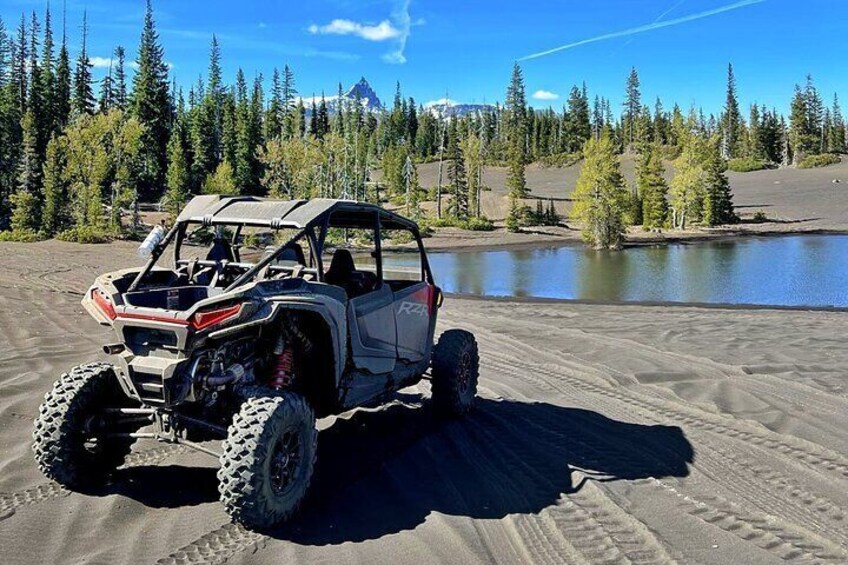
(446, 108)
(443, 108)
(367, 97)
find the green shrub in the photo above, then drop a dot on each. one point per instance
(21, 236)
(478, 224)
(85, 234)
(823, 160)
(759, 217)
(472, 224)
(747, 164)
(560, 160)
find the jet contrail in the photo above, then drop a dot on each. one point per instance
(659, 18)
(648, 27)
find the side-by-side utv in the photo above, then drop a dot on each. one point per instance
(263, 323)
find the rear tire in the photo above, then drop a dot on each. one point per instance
(268, 459)
(455, 370)
(68, 442)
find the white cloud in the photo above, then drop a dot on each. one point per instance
(262, 25)
(395, 29)
(401, 17)
(380, 32)
(100, 62)
(545, 95)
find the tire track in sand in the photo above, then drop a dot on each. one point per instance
(10, 502)
(800, 504)
(811, 455)
(217, 546)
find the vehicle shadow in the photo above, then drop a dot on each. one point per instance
(384, 471)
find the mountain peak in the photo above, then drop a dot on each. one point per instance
(365, 93)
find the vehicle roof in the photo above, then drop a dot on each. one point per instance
(256, 211)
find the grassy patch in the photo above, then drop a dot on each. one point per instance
(471, 224)
(21, 236)
(560, 160)
(823, 160)
(85, 234)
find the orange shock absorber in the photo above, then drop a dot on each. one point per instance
(281, 375)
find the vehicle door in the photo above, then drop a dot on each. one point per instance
(373, 334)
(414, 298)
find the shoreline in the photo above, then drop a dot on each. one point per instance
(539, 300)
(503, 241)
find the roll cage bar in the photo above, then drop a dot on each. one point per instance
(356, 216)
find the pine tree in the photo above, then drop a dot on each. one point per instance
(731, 119)
(718, 199)
(56, 214)
(46, 84)
(27, 201)
(577, 128)
(150, 104)
(107, 94)
(689, 182)
(516, 126)
(83, 100)
(274, 116)
(293, 114)
(322, 119)
(652, 186)
(815, 116)
(836, 135)
(802, 137)
(600, 197)
(229, 140)
(212, 104)
(661, 121)
(20, 76)
(5, 56)
(120, 83)
(62, 94)
(632, 107)
(10, 124)
(179, 177)
(457, 176)
(472, 150)
(222, 181)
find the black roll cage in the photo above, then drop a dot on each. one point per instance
(354, 218)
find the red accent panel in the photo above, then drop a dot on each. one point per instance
(203, 320)
(103, 303)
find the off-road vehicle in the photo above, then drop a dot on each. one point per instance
(251, 352)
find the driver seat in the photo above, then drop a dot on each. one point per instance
(341, 270)
(221, 250)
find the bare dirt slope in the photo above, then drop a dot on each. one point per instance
(604, 434)
(809, 199)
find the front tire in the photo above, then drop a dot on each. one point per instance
(69, 442)
(455, 370)
(268, 459)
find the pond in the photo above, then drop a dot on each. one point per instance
(798, 270)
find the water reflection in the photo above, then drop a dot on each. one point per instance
(793, 271)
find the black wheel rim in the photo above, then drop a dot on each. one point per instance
(463, 373)
(286, 462)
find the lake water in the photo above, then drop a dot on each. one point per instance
(808, 270)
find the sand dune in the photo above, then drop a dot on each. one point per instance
(603, 434)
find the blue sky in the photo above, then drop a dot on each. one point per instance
(466, 49)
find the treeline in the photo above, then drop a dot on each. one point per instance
(77, 157)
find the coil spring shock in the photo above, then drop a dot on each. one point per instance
(282, 375)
